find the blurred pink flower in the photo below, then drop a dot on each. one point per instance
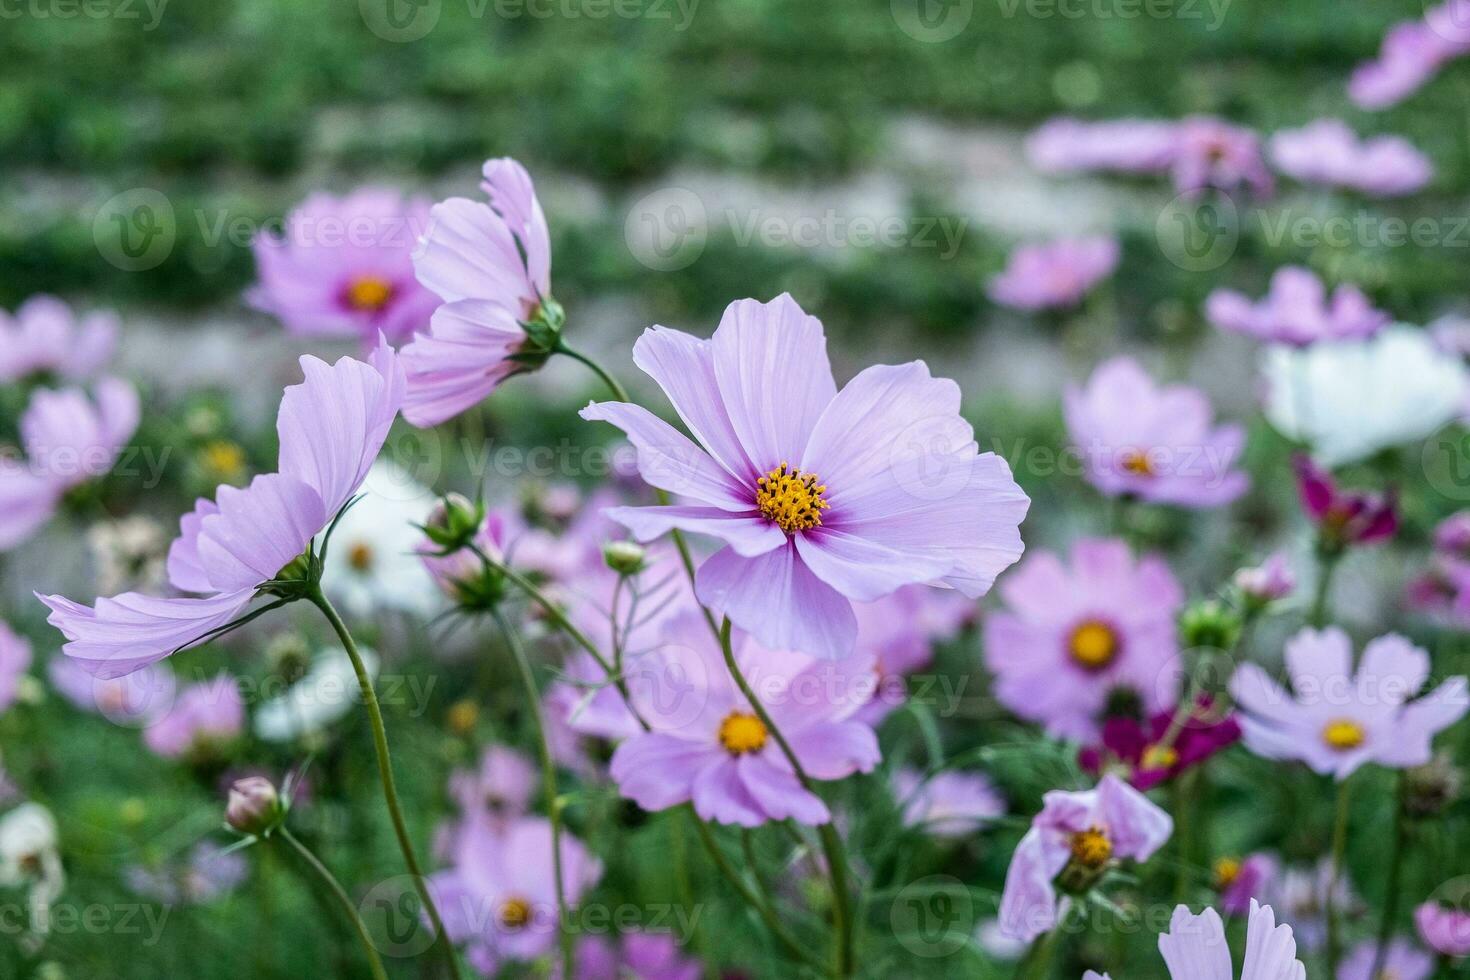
(15, 660)
(1215, 155)
(948, 804)
(635, 956)
(1242, 882)
(209, 872)
(822, 498)
(1066, 145)
(899, 631)
(1155, 443)
(1297, 311)
(1072, 639)
(1269, 581)
(344, 268)
(494, 794)
(1444, 929)
(1140, 749)
(134, 699)
(1344, 517)
(1413, 52)
(1054, 274)
(1337, 718)
(1328, 152)
(45, 338)
(1402, 961)
(202, 716)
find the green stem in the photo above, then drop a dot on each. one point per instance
(831, 844)
(385, 774)
(1395, 875)
(374, 964)
(1321, 605)
(548, 778)
(1339, 845)
(1037, 964)
(619, 393)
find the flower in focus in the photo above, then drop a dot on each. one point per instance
(1343, 517)
(202, 717)
(821, 497)
(369, 566)
(1328, 152)
(254, 806)
(1350, 400)
(1413, 52)
(1268, 582)
(1155, 443)
(1072, 843)
(498, 898)
(949, 803)
(1148, 756)
(44, 339)
(207, 874)
(1296, 312)
(1212, 154)
(331, 427)
(1402, 961)
(491, 265)
(344, 268)
(1337, 719)
(1054, 274)
(328, 691)
(496, 793)
(1195, 947)
(1444, 929)
(638, 956)
(1239, 882)
(899, 631)
(707, 745)
(15, 660)
(1073, 642)
(70, 439)
(1065, 145)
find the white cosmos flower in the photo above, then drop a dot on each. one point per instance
(29, 857)
(327, 692)
(1350, 400)
(371, 563)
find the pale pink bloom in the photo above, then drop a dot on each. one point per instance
(45, 338)
(1054, 274)
(1157, 443)
(344, 268)
(1195, 947)
(1413, 52)
(496, 793)
(1215, 155)
(15, 660)
(1402, 961)
(1297, 311)
(638, 956)
(134, 699)
(1444, 929)
(899, 631)
(949, 803)
(1328, 152)
(1301, 895)
(1086, 832)
(1273, 579)
(1066, 145)
(1336, 719)
(201, 716)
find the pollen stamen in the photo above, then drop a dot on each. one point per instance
(1343, 734)
(369, 293)
(791, 499)
(741, 733)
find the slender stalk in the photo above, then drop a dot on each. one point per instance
(385, 775)
(1322, 604)
(374, 964)
(548, 779)
(1339, 845)
(831, 845)
(1395, 875)
(1037, 965)
(619, 393)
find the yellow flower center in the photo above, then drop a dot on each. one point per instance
(1343, 734)
(224, 458)
(1136, 461)
(360, 556)
(741, 733)
(1094, 645)
(462, 717)
(1227, 869)
(369, 293)
(1091, 848)
(791, 499)
(1159, 757)
(515, 913)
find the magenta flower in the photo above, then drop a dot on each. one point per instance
(344, 268)
(899, 632)
(1072, 640)
(1195, 947)
(1267, 582)
(1452, 536)
(201, 717)
(1402, 961)
(15, 660)
(1336, 719)
(70, 439)
(331, 427)
(708, 746)
(1329, 153)
(1055, 274)
(1141, 751)
(949, 803)
(1065, 145)
(637, 956)
(1072, 843)
(821, 497)
(1241, 882)
(1214, 155)
(1344, 517)
(1296, 311)
(1413, 52)
(1444, 929)
(498, 898)
(491, 265)
(46, 338)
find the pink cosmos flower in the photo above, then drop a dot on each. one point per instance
(821, 497)
(949, 803)
(1413, 52)
(70, 439)
(344, 268)
(1213, 154)
(494, 794)
(1066, 145)
(1328, 152)
(1444, 929)
(498, 898)
(331, 427)
(637, 956)
(1402, 961)
(134, 699)
(708, 746)
(202, 716)
(1267, 582)
(15, 660)
(1338, 719)
(1141, 753)
(1072, 640)
(1155, 443)
(899, 631)
(1344, 517)
(1055, 274)
(1241, 882)
(1195, 947)
(1296, 311)
(1301, 895)
(209, 872)
(491, 265)
(46, 338)
(1073, 842)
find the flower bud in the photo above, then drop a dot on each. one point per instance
(1266, 583)
(1432, 788)
(1210, 624)
(625, 557)
(254, 806)
(453, 523)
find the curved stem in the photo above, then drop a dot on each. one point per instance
(374, 963)
(831, 844)
(385, 774)
(619, 393)
(1339, 845)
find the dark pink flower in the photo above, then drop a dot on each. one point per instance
(1445, 929)
(1140, 750)
(1344, 517)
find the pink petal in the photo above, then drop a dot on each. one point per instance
(130, 631)
(460, 360)
(684, 368)
(669, 461)
(778, 793)
(835, 750)
(778, 600)
(749, 534)
(657, 771)
(257, 531)
(720, 795)
(1194, 948)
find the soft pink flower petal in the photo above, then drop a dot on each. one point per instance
(684, 368)
(777, 792)
(257, 531)
(122, 634)
(460, 360)
(749, 534)
(721, 795)
(669, 461)
(779, 600)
